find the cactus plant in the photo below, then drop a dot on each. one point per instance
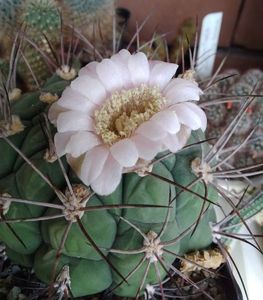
(140, 222)
(135, 190)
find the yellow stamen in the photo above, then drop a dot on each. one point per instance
(125, 110)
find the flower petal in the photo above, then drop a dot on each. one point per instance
(109, 75)
(151, 130)
(73, 121)
(147, 149)
(61, 140)
(161, 73)
(82, 142)
(73, 100)
(171, 142)
(109, 178)
(54, 112)
(167, 120)
(175, 142)
(183, 135)
(198, 111)
(191, 115)
(181, 90)
(89, 69)
(125, 153)
(93, 164)
(121, 61)
(138, 68)
(90, 88)
(123, 56)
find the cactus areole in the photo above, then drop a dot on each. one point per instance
(111, 212)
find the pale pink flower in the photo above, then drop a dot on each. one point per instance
(122, 111)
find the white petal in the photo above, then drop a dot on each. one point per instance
(153, 63)
(121, 61)
(89, 69)
(201, 114)
(93, 164)
(138, 68)
(167, 120)
(109, 75)
(109, 178)
(175, 142)
(123, 56)
(125, 153)
(181, 90)
(90, 88)
(147, 149)
(73, 100)
(61, 140)
(73, 121)
(151, 130)
(54, 111)
(82, 142)
(190, 115)
(171, 142)
(161, 73)
(183, 135)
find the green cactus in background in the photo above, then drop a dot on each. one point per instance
(42, 16)
(44, 20)
(237, 88)
(86, 6)
(8, 11)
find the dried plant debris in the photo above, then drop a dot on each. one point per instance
(210, 259)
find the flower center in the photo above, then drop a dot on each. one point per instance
(125, 111)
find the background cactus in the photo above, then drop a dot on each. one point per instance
(236, 88)
(44, 21)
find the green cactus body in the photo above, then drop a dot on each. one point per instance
(8, 10)
(87, 6)
(119, 233)
(42, 16)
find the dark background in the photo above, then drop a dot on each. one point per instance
(242, 28)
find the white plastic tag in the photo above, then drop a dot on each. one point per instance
(208, 43)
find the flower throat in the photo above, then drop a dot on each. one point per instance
(125, 110)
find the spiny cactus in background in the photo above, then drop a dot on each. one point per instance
(8, 11)
(44, 21)
(232, 90)
(41, 16)
(87, 12)
(157, 48)
(232, 224)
